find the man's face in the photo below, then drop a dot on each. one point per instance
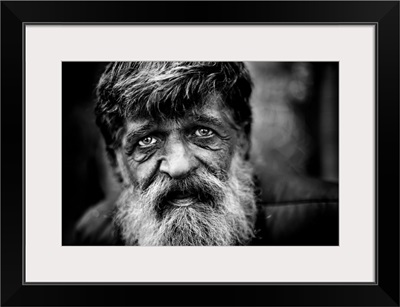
(182, 180)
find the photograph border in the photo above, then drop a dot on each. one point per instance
(16, 15)
(347, 262)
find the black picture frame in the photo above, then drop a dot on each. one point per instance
(383, 14)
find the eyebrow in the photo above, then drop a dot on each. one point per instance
(139, 131)
(209, 119)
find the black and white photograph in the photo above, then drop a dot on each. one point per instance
(200, 153)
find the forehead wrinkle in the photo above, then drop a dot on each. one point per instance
(136, 126)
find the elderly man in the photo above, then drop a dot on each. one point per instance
(178, 136)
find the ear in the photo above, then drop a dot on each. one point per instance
(121, 168)
(112, 159)
(244, 145)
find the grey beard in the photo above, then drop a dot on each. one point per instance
(229, 220)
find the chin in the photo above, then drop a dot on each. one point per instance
(225, 218)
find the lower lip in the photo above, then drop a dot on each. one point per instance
(182, 202)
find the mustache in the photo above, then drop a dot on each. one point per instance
(202, 185)
(144, 217)
(207, 170)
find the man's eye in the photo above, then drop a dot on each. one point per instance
(147, 141)
(202, 132)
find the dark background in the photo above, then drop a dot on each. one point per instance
(294, 132)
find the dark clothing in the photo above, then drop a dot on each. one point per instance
(295, 211)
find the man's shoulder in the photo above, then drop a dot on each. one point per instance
(96, 226)
(299, 211)
(302, 222)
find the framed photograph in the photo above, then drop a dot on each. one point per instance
(200, 153)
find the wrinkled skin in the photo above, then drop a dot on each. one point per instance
(185, 179)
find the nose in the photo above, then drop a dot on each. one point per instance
(177, 161)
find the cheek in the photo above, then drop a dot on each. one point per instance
(134, 173)
(218, 159)
(142, 171)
